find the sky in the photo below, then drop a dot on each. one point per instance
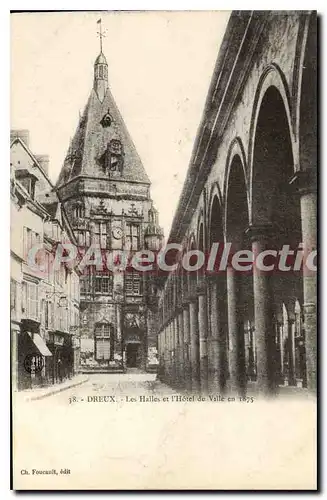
(159, 65)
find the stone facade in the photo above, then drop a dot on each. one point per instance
(106, 193)
(44, 301)
(251, 182)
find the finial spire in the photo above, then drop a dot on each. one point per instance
(100, 69)
(100, 34)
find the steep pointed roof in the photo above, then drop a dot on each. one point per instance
(91, 140)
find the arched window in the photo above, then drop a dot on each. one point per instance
(78, 210)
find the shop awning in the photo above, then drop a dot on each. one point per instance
(41, 345)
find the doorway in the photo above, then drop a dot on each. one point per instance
(132, 355)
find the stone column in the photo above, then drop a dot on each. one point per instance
(180, 328)
(214, 345)
(165, 350)
(305, 184)
(252, 353)
(203, 338)
(176, 358)
(264, 325)
(291, 352)
(172, 353)
(159, 355)
(167, 354)
(187, 357)
(279, 352)
(194, 338)
(236, 332)
(162, 354)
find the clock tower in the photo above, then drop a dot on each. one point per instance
(106, 194)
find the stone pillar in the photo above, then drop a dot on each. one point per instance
(291, 352)
(176, 349)
(279, 352)
(252, 353)
(194, 338)
(159, 355)
(203, 337)
(236, 332)
(309, 237)
(187, 357)
(305, 184)
(162, 355)
(167, 354)
(172, 353)
(180, 329)
(214, 345)
(264, 325)
(217, 347)
(164, 352)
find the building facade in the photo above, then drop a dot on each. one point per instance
(106, 194)
(44, 300)
(252, 183)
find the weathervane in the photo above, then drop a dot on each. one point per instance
(101, 33)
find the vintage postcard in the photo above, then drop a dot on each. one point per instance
(163, 250)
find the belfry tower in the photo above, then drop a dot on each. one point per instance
(106, 194)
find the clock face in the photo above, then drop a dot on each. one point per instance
(117, 233)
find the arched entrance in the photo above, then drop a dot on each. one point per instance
(194, 323)
(306, 185)
(218, 340)
(276, 222)
(238, 289)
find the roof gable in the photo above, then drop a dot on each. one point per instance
(89, 145)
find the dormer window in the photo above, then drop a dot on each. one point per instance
(114, 157)
(27, 180)
(106, 120)
(79, 211)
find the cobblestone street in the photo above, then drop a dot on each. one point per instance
(133, 383)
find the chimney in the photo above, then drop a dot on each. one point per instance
(24, 135)
(43, 161)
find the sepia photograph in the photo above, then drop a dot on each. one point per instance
(163, 250)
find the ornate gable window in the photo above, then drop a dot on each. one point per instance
(78, 210)
(114, 156)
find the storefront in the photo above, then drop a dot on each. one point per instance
(32, 356)
(61, 365)
(14, 336)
